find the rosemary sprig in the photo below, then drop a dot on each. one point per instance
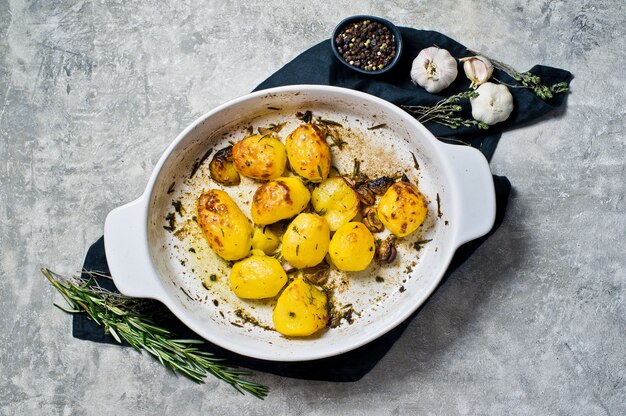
(528, 80)
(445, 112)
(125, 319)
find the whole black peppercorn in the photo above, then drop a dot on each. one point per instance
(366, 45)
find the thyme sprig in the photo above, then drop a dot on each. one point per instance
(126, 319)
(527, 80)
(446, 111)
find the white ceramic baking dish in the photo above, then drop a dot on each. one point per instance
(150, 260)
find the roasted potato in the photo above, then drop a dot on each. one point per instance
(403, 208)
(334, 200)
(264, 239)
(352, 247)
(308, 152)
(257, 277)
(305, 242)
(226, 229)
(223, 169)
(260, 157)
(301, 310)
(279, 199)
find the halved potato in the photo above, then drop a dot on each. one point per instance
(352, 247)
(403, 208)
(260, 156)
(279, 199)
(226, 229)
(334, 200)
(301, 310)
(257, 277)
(305, 242)
(308, 152)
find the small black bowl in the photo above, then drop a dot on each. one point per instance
(355, 19)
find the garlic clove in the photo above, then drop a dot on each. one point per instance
(478, 69)
(434, 69)
(493, 104)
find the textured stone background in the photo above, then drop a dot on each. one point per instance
(91, 92)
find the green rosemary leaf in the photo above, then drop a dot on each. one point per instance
(72, 311)
(126, 320)
(111, 330)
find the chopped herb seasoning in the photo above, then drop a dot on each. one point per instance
(336, 141)
(378, 126)
(439, 213)
(419, 244)
(199, 162)
(186, 294)
(328, 122)
(272, 128)
(307, 116)
(171, 188)
(171, 222)
(178, 206)
(417, 165)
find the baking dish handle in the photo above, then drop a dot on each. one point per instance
(476, 211)
(127, 252)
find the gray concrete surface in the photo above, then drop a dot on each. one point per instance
(91, 92)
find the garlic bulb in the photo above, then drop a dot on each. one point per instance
(478, 69)
(434, 69)
(493, 104)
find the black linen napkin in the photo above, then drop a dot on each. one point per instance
(318, 65)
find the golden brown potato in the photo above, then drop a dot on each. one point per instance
(226, 229)
(301, 310)
(334, 200)
(264, 239)
(402, 208)
(306, 240)
(352, 247)
(279, 199)
(308, 153)
(223, 169)
(260, 157)
(257, 277)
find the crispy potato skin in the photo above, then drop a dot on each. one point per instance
(301, 310)
(352, 247)
(308, 152)
(279, 199)
(260, 157)
(257, 277)
(334, 200)
(223, 169)
(226, 229)
(402, 209)
(305, 242)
